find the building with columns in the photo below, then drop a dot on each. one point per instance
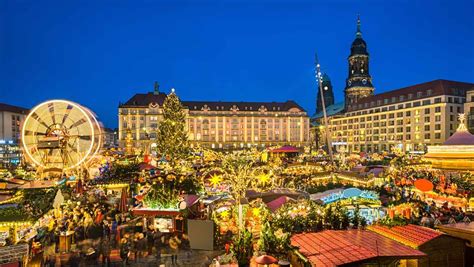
(216, 124)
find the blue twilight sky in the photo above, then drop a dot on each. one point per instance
(99, 53)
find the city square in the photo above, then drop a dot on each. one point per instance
(320, 172)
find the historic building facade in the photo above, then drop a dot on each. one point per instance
(410, 118)
(215, 124)
(359, 81)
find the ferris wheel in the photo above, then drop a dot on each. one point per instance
(60, 135)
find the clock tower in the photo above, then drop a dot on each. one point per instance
(359, 81)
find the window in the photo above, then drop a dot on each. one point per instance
(407, 129)
(427, 127)
(438, 118)
(427, 111)
(427, 136)
(437, 109)
(402, 98)
(410, 96)
(416, 104)
(427, 119)
(385, 101)
(429, 92)
(419, 94)
(391, 115)
(437, 126)
(408, 113)
(408, 105)
(437, 135)
(426, 102)
(437, 100)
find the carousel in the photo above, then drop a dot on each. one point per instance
(457, 153)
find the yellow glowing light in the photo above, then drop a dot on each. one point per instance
(225, 214)
(45, 106)
(215, 180)
(264, 178)
(256, 212)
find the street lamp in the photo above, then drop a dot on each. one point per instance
(328, 135)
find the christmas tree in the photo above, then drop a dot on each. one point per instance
(172, 136)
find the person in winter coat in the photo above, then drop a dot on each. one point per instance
(105, 251)
(174, 243)
(124, 250)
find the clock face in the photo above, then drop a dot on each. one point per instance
(326, 88)
(364, 81)
(349, 82)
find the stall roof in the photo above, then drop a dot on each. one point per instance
(410, 235)
(463, 230)
(336, 247)
(277, 203)
(285, 149)
(38, 184)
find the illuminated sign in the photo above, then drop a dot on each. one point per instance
(350, 193)
(339, 143)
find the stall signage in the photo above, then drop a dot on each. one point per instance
(350, 193)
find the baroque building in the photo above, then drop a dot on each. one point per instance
(359, 81)
(410, 118)
(216, 124)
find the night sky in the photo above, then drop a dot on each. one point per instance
(99, 54)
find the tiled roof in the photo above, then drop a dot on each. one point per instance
(144, 100)
(438, 87)
(334, 248)
(243, 106)
(14, 109)
(410, 235)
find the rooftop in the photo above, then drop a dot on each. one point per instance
(410, 235)
(145, 100)
(14, 109)
(335, 248)
(437, 87)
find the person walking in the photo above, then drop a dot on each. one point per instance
(149, 240)
(157, 244)
(174, 243)
(105, 251)
(124, 250)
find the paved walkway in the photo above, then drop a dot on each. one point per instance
(194, 258)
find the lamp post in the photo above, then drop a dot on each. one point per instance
(327, 132)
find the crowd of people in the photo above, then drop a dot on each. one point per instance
(98, 228)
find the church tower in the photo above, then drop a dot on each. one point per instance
(359, 81)
(328, 94)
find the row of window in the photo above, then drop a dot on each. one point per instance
(456, 100)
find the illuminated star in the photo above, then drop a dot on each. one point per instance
(215, 180)
(264, 178)
(225, 214)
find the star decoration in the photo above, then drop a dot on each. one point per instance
(215, 180)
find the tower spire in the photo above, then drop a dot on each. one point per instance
(358, 33)
(157, 88)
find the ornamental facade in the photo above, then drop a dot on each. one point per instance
(410, 118)
(216, 124)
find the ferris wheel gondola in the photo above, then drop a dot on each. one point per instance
(60, 135)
